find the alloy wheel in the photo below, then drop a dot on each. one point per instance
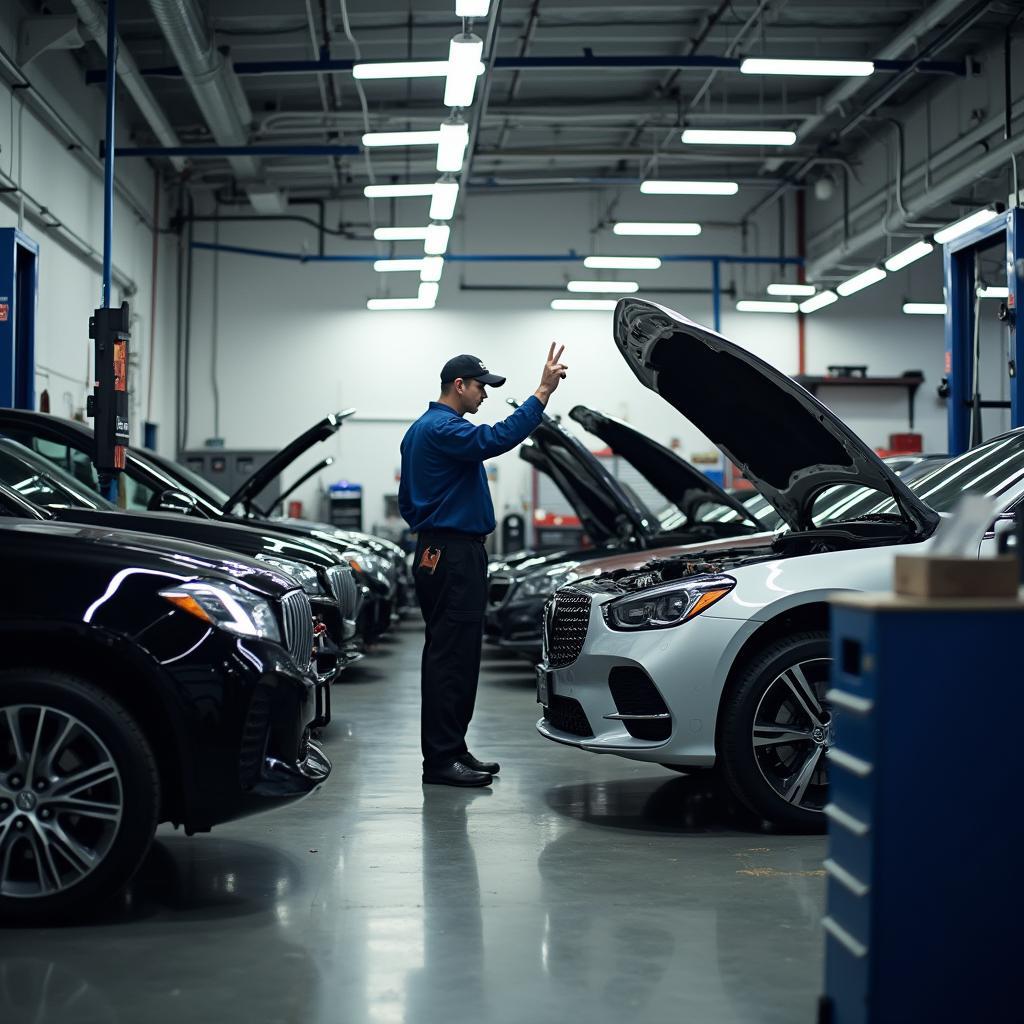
(792, 733)
(61, 801)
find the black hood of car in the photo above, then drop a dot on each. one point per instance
(137, 552)
(603, 505)
(789, 445)
(670, 475)
(276, 464)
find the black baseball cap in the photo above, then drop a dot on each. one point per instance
(469, 368)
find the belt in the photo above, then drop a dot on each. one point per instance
(454, 535)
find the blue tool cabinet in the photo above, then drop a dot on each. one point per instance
(925, 901)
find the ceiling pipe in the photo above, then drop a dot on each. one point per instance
(95, 21)
(210, 79)
(943, 193)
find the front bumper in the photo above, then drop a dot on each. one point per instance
(516, 625)
(679, 671)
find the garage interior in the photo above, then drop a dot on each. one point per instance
(279, 220)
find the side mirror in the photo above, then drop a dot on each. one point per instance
(172, 501)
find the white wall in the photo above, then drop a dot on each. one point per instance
(33, 157)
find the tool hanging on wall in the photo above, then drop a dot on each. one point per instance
(108, 404)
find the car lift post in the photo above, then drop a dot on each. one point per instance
(109, 327)
(959, 261)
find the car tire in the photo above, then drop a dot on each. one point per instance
(780, 772)
(90, 789)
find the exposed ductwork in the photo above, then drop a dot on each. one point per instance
(95, 21)
(944, 192)
(213, 84)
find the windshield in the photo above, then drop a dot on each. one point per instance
(43, 483)
(195, 481)
(990, 469)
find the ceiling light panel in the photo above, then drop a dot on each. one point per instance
(961, 227)
(375, 139)
(594, 305)
(432, 266)
(782, 288)
(827, 68)
(820, 301)
(401, 69)
(911, 254)
(472, 8)
(614, 287)
(463, 68)
(656, 228)
(397, 266)
(622, 263)
(410, 303)
(993, 292)
(442, 206)
(435, 240)
(737, 137)
(452, 140)
(400, 234)
(860, 281)
(762, 306)
(924, 308)
(689, 188)
(398, 191)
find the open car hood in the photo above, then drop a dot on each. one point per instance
(603, 505)
(274, 466)
(669, 474)
(789, 445)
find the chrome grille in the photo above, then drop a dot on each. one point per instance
(344, 589)
(298, 627)
(498, 591)
(565, 626)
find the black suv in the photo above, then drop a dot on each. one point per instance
(139, 682)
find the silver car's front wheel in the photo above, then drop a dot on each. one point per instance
(79, 794)
(776, 729)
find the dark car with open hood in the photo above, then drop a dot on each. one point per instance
(141, 681)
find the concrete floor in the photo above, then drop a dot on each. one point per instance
(581, 888)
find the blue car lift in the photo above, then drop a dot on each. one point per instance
(19, 286)
(959, 260)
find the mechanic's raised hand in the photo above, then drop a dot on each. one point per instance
(554, 371)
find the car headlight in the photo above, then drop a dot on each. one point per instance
(304, 575)
(226, 606)
(667, 606)
(540, 585)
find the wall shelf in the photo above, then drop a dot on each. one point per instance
(910, 381)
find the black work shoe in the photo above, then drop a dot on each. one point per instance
(490, 767)
(456, 774)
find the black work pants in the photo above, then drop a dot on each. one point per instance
(450, 571)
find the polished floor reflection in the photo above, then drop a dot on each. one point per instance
(580, 888)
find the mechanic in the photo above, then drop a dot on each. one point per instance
(443, 496)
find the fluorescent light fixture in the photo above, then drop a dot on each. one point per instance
(961, 227)
(398, 191)
(615, 287)
(442, 206)
(452, 140)
(819, 301)
(463, 67)
(758, 306)
(472, 8)
(656, 228)
(581, 304)
(909, 255)
(993, 292)
(428, 293)
(689, 188)
(435, 241)
(372, 139)
(791, 289)
(925, 308)
(400, 234)
(622, 263)
(830, 68)
(866, 277)
(432, 267)
(397, 266)
(396, 304)
(401, 69)
(737, 137)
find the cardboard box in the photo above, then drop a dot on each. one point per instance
(921, 576)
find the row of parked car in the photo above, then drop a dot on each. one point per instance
(166, 658)
(697, 636)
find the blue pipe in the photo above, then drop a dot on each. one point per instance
(716, 294)
(643, 61)
(108, 163)
(253, 150)
(522, 257)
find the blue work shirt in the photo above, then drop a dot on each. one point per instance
(444, 484)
